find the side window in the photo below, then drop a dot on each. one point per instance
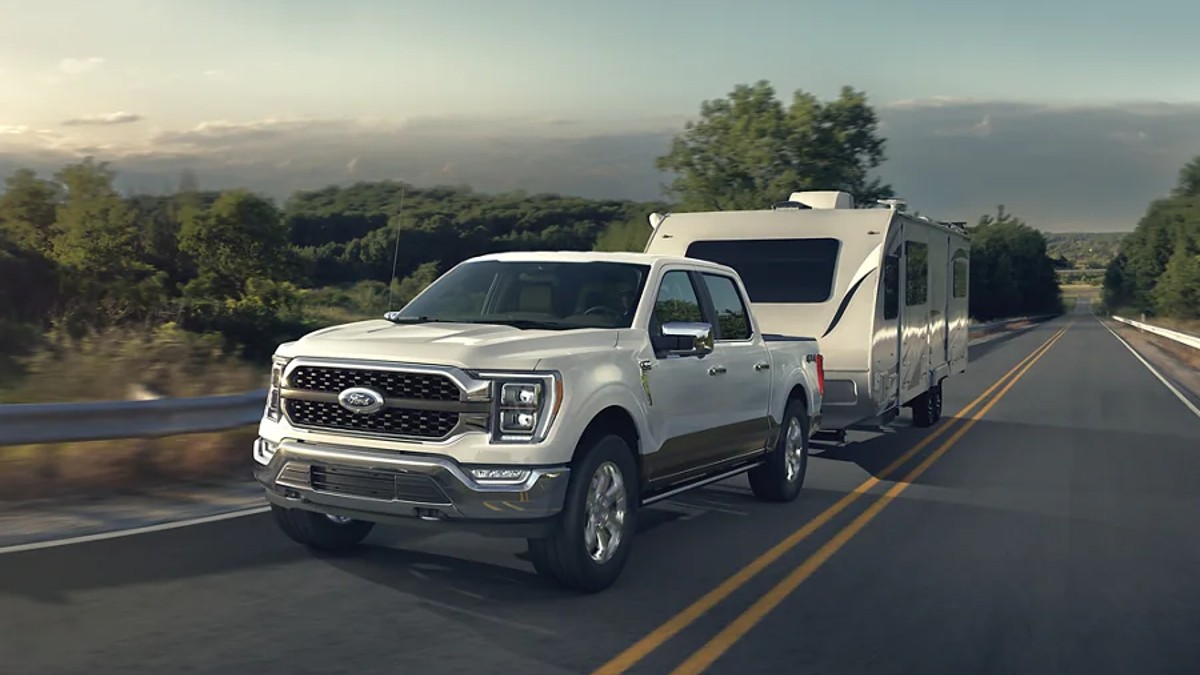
(960, 275)
(733, 321)
(916, 287)
(891, 286)
(677, 300)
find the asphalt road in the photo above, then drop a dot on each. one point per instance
(1056, 534)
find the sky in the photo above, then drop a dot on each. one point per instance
(1071, 113)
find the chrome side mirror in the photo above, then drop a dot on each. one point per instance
(680, 338)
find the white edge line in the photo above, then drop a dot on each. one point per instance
(116, 534)
(1178, 394)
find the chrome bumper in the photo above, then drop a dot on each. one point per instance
(392, 487)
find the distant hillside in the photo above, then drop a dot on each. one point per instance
(1084, 250)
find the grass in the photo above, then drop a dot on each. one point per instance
(99, 468)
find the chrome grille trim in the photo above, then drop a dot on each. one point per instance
(427, 404)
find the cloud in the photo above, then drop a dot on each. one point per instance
(1060, 167)
(79, 66)
(104, 119)
(13, 129)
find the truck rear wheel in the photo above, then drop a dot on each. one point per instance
(319, 531)
(591, 540)
(781, 476)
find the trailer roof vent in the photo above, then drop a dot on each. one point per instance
(824, 199)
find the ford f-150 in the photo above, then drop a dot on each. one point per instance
(547, 396)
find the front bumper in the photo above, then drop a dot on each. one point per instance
(390, 487)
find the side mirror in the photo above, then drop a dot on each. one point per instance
(680, 338)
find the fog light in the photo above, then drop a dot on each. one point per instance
(264, 450)
(500, 474)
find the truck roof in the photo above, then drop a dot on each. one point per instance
(598, 256)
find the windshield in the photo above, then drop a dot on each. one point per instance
(554, 295)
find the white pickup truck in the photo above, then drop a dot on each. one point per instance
(547, 396)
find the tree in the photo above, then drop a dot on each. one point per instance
(1189, 180)
(1177, 292)
(27, 210)
(239, 237)
(97, 236)
(747, 151)
(1165, 237)
(1011, 274)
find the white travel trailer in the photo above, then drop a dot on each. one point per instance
(885, 293)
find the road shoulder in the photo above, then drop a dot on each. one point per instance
(1178, 363)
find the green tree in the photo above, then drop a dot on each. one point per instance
(239, 237)
(28, 210)
(1164, 237)
(1011, 274)
(97, 235)
(1177, 293)
(748, 151)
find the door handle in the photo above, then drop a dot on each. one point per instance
(762, 366)
(716, 370)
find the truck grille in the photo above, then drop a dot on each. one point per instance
(389, 421)
(386, 485)
(392, 384)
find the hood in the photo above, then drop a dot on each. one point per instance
(451, 344)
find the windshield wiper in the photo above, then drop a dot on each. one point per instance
(524, 324)
(395, 317)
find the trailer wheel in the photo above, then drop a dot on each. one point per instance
(927, 408)
(781, 476)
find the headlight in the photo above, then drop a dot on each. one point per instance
(524, 405)
(278, 363)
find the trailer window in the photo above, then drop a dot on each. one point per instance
(916, 269)
(891, 286)
(732, 321)
(960, 275)
(776, 270)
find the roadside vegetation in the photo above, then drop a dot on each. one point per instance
(1157, 269)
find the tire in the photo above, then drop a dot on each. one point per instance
(566, 556)
(927, 408)
(781, 476)
(321, 532)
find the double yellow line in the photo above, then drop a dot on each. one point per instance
(718, 645)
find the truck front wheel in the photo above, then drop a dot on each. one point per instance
(780, 477)
(591, 541)
(319, 531)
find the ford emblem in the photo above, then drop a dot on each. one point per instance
(360, 400)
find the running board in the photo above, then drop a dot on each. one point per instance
(700, 483)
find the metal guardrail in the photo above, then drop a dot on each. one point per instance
(27, 423)
(1182, 338)
(24, 423)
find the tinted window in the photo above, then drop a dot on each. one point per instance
(916, 269)
(776, 270)
(891, 286)
(732, 320)
(534, 294)
(960, 277)
(677, 300)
